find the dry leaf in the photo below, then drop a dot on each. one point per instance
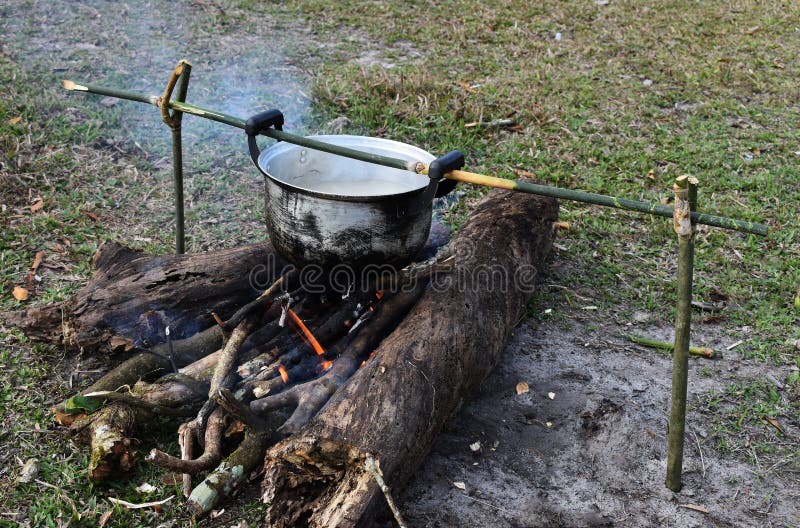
(20, 293)
(37, 205)
(120, 342)
(777, 425)
(465, 85)
(65, 419)
(522, 387)
(694, 507)
(37, 261)
(104, 518)
(235, 428)
(561, 225)
(460, 485)
(14, 120)
(752, 30)
(92, 216)
(523, 173)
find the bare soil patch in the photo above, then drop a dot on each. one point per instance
(595, 454)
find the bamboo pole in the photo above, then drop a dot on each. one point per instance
(421, 168)
(685, 201)
(180, 77)
(663, 345)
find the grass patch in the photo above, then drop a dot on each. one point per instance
(616, 99)
(746, 421)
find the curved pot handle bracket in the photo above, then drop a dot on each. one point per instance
(256, 125)
(453, 160)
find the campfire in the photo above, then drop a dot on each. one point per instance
(329, 395)
(332, 390)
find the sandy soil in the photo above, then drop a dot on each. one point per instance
(594, 454)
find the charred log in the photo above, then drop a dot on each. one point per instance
(133, 295)
(418, 376)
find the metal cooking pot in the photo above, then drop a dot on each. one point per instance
(327, 210)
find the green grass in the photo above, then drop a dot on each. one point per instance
(720, 104)
(748, 419)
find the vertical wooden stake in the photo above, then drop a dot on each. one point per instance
(685, 202)
(180, 76)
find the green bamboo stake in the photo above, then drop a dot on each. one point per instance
(418, 167)
(685, 201)
(180, 77)
(663, 345)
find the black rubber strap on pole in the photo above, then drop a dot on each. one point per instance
(257, 124)
(453, 160)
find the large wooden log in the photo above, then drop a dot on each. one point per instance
(394, 406)
(133, 295)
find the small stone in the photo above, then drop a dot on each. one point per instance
(647, 82)
(29, 471)
(475, 447)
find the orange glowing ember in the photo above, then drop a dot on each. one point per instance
(379, 295)
(326, 365)
(283, 373)
(305, 332)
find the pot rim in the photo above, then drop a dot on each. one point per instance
(402, 150)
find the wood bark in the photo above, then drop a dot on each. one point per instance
(132, 296)
(393, 407)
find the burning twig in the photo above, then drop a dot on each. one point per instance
(309, 397)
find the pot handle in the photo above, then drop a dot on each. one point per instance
(256, 125)
(453, 160)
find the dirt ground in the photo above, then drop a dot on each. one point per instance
(594, 453)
